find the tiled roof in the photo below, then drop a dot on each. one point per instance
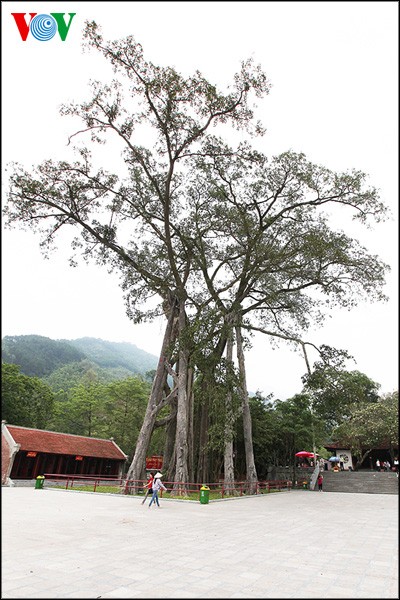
(39, 440)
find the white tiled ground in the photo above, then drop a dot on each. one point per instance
(58, 544)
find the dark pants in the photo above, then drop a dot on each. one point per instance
(147, 493)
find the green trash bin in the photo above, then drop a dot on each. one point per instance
(39, 482)
(204, 494)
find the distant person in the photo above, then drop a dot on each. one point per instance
(319, 481)
(378, 464)
(149, 487)
(157, 485)
(396, 464)
(341, 463)
(387, 465)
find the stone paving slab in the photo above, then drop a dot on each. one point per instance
(297, 544)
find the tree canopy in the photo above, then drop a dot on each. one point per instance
(369, 425)
(26, 401)
(336, 392)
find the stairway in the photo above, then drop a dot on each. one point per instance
(361, 482)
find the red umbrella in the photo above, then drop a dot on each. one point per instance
(305, 454)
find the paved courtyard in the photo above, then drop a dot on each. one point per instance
(298, 544)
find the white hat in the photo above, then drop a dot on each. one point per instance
(157, 475)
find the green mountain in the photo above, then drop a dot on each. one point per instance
(41, 356)
(63, 379)
(115, 354)
(38, 356)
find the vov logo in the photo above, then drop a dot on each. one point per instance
(43, 27)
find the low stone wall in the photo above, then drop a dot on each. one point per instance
(61, 482)
(22, 483)
(286, 473)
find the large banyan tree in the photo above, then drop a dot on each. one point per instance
(219, 240)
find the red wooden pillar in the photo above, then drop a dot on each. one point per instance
(36, 466)
(59, 464)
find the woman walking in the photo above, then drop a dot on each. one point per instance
(148, 486)
(157, 485)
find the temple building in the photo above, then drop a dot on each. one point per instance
(383, 452)
(27, 453)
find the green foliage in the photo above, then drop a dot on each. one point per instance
(83, 412)
(125, 405)
(113, 355)
(296, 424)
(280, 429)
(69, 376)
(80, 397)
(224, 380)
(336, 392)
(26, 401)
(63, 362)
(371, 424)
(37, 355)
(94, 393)
(263, 429)
(97, 409)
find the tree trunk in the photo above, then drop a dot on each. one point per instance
(182, 417)
(229, 475)
(294, 461)
(190, 393)
(169, 446)
(251, 473)
(203, 462)
(202, 468)
(169, 473)
(137, 468)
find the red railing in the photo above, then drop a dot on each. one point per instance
(179, 489)
(94, 480)
(238, 488)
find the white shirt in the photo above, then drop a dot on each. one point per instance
(157, 484)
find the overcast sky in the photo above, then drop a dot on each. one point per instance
(334, 73)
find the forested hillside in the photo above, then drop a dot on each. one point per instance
(38, 356)
(43, 357)
(116, 354)
(69, 376)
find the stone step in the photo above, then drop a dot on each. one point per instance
(364, 482)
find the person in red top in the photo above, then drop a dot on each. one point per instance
(148, 486)
(319, 481)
